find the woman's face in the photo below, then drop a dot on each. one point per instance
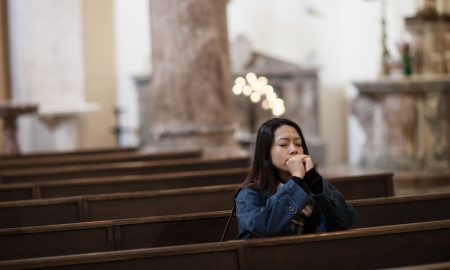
(286, 143)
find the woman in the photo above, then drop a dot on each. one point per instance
(283, 193)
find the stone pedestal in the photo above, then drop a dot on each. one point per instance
(9, 114)
(405, 123)
(61, 122)
(190, 91)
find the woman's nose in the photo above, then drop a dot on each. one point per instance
(293, 150)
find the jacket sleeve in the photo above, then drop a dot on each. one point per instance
(270, 217)
(338, 214)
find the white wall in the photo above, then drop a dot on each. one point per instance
(132, 25)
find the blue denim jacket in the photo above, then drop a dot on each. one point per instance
(272, 216)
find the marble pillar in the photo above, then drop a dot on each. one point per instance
(190, 92)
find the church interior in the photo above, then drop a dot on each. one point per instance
(128, 125)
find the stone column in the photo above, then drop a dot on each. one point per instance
(190, 90)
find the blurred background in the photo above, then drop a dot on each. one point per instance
(366, 80)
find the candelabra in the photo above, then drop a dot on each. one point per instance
(258, 90)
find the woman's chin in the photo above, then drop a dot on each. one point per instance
(285, 176)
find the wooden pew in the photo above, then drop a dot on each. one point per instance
(114, 184)
(365, 248)
(380, 183)
(45, 162)
(86, 152)
(120, 168)
(114, 206)
(431, 266)
(191, 228)
(144, 203)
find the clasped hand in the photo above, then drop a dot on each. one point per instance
(299, 164)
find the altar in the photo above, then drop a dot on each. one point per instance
(405, 122)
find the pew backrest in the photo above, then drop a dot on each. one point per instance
(431, 266)
(115, 184)
(362, 186)
(85, 152)
(191, 228)
(366, 248)
(120, 168)
(134, 204)
(379, 185)
(45, 162)
(114, 206)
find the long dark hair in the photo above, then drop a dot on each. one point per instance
(263, 174)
